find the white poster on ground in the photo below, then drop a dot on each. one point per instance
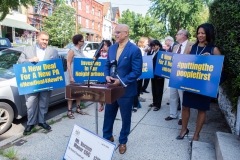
(86, 145)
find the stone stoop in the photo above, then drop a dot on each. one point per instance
(203, 151)
(227, 146)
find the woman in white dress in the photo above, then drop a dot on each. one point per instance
(75, 51)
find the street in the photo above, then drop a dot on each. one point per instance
(18, 125)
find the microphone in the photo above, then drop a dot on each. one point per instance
(98, 51)
(113, 72)
(113, 69)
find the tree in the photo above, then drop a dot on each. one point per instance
(178, 14)
(225, 16)
(61, 25)
(141, 26)
(6, 5)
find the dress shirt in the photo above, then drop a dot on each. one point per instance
(40, 53)
(182, 47)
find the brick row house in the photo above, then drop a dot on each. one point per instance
(97, 20)
(89, 14)
(37, 13)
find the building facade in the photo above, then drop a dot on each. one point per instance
(37, 13)
(107, 21)
(115, 17)
(90, 17)
(16, 29)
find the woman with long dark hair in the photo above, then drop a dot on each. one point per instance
(204, 46)
(75, 51)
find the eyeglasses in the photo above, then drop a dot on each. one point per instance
(82, 41)
(117, 32)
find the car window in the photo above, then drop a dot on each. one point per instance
(89, 45)
(7, 60)
(3, 42)
(95, 46)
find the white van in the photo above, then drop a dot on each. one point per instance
(89, 48)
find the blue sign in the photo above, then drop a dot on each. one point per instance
(82, 68)
(198, 74)
(147, 67)
(164, 64)
(38, 77)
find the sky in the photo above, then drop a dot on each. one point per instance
(137, 6)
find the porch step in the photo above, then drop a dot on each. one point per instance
(203, 151)
(227, 146)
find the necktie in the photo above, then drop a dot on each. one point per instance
(179, 49)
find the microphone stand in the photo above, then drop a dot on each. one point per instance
(124, 85)
(88, 84)
(116, 74)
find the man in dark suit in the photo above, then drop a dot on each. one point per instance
(129, 68)
(37, 103)
(157, 82)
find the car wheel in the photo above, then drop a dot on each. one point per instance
(6, 116)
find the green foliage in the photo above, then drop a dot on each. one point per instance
(225, 16)
(60, 26)
(179, 14)
(10, 153)
(141, 26)
(6, 5)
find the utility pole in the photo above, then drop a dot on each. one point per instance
(76, 16)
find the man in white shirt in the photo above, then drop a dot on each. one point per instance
(37, 103)
(175, 94)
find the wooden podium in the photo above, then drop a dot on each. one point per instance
(96, 93)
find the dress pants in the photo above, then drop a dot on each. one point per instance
(145, 84)
(157, 91)
(37, 107)
(139, 86)
(125, 106)
(175, 94)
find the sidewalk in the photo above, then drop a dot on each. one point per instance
(151, 137)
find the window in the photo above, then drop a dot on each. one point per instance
(92, 10)
(87, 23)
(79, 20)
(99, 13)
(79, 5)
(104, 27)
(87, 8)
(92, 24)
(49, 11)
(110, 29)
(35, 9)
(95, 46)
(90, 46)
(99, 26)
(15, 9)
(109, 14)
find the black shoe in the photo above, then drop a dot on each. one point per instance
(181, 137)
(44, 125)
(145, 91)
(28, 129)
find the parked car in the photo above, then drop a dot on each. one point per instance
(12, 105)
(5, 43)
(89, 48)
